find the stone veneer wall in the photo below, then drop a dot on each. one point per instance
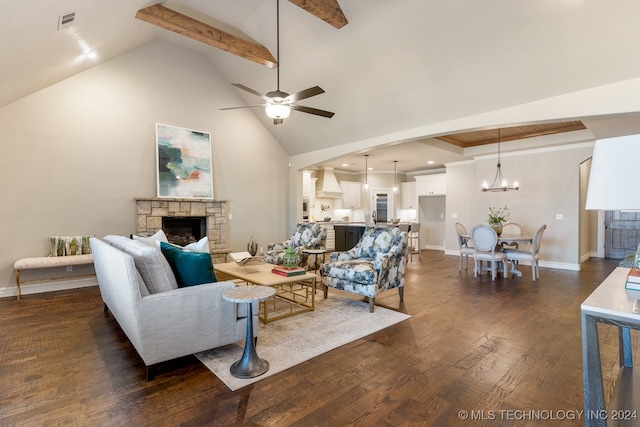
(151, 211)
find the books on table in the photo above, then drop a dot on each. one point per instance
(633, 280)
(244, 259)
(287, 272)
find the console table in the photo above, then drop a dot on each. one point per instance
(610, 303)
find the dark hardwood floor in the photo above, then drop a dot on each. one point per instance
(471, 345)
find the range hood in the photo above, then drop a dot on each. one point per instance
(327, 184)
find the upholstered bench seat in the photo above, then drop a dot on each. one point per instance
(48, 262)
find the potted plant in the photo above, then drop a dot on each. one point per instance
(497, 217)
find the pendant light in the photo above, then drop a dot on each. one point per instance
(499, 183)
(366, 172)
(395, 176)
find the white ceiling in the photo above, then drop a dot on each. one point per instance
(396, 65)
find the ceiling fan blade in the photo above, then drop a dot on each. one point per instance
(323, 113)
(248, 89)
(244, 106)
(304, 94)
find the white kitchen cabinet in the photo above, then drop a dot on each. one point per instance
(306, 184)
(431, 185)
(351, 194)
(330, 244)
(408, 194)
(312, 192)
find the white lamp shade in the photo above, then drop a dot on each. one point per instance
(278, 111)
(614, 181)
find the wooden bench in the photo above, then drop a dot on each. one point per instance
(49, 262)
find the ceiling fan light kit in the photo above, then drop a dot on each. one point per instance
(279, 104)
(278, 111)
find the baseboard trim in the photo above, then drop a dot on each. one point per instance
(544, 264)
(49, 286)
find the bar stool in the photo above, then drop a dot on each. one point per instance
(414, 240)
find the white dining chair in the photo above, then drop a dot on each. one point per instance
(485, 242)
(463, 242)
(511, 229)
(515, 255)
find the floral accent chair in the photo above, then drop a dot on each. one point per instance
(377, 263)
(308, 235)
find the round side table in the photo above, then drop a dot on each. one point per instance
(315, 253)
(250, 365)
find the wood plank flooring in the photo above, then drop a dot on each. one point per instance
(471, 345)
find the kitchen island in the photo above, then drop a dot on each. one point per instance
(348, 235)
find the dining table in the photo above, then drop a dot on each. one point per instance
(509, 239)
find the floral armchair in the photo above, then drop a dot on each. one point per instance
(377, 263)
(308, 235)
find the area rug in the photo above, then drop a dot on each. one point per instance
(288, 342)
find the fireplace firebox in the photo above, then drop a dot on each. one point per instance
(184, 230)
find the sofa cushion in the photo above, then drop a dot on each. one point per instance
(190, 268)
(152, 240)
(117, 241)
(146, 266)
(150, 263)
(201, 245)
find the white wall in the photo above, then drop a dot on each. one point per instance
(588, 219)
(76, 154)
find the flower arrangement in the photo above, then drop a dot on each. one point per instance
(498, 216)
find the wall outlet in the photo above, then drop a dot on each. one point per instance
(559, 217)
(454, 215)
(69, 268)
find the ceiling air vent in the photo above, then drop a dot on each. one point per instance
(66, 20)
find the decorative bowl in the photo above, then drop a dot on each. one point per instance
(395, 220)
(327, 219)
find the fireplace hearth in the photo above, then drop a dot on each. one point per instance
(187, 221)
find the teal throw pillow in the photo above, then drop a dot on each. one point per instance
(190, 268)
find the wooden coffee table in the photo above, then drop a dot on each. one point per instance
(294, 294)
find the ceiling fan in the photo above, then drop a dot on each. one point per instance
(278, 104)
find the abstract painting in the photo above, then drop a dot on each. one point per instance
(183, 163)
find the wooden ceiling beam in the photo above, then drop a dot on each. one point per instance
(178, 23)
(327, 10)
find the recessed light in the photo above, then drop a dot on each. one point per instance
(345, 165)
(430, 162)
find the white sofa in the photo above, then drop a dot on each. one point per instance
(162, 323)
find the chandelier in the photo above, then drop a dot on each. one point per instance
(499, 183)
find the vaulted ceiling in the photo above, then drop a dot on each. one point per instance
(385, 66)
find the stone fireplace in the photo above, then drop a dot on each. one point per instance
(152, 211)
